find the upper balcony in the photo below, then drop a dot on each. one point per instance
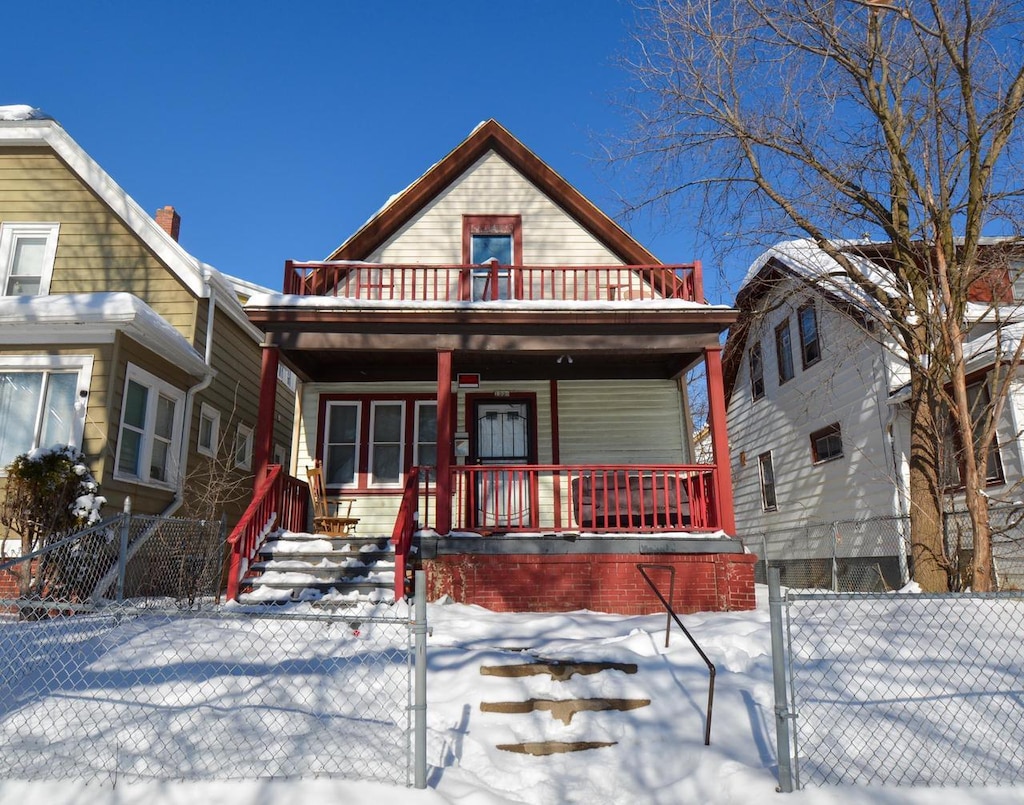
(492, 282)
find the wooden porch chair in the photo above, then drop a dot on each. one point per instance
(323, 521)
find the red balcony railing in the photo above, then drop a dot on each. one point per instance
(493, 282)
(611, 498)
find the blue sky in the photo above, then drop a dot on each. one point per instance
(277, 129)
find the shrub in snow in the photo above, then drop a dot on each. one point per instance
(51, 494)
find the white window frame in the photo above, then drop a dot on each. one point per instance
(207, 411)
(416, 429)
(761, 463)
(10, 233)
(155, 386)
(280, 456)
(374, 404)
(243, 444)
(56, 363)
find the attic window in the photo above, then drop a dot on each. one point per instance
(1017, 278)
(27, 252)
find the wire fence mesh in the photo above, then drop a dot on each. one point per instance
(871, 555)
(118, 661)
(904, 689)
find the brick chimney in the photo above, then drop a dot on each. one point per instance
(169, 220)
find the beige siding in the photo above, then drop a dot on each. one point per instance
(621, 422)
(145, 499)
(95, 250)
(493, 187)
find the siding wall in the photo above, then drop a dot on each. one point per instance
(95, 250)
(627, 422)
(847, 386)
(493, 187)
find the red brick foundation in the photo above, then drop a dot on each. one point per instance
(710, 582)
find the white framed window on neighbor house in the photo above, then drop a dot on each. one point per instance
(209, 430)
(769, 503)
(827, 444)
(150, 433)
(810, 342)
(784, 351)
(280, 455)
(43, 402)
(243, 447)
(27, 252)
(756, 372)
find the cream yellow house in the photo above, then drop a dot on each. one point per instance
(116, 340)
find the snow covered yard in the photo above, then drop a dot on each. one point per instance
(658, 755)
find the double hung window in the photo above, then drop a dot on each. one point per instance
(149, 437)
(784, 351)
(756, 372)
(767, 471)
(371, 443)
(810, 345)
(27, 252)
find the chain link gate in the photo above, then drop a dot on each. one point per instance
(897, 689)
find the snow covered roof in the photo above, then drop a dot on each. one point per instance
(90, 318)
(806, 260)
(23, 125)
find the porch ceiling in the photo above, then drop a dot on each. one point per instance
(346, 365)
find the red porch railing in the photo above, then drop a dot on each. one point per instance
(405, 527)
(281, 501)
(609, 498)
(490, 282)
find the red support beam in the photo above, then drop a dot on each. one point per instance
(443, 507)
(265, 420)
(719, 438)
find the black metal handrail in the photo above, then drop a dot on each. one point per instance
(643, 567)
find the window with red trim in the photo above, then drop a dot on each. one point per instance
(494, 243)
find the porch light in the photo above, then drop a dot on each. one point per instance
(564, 358)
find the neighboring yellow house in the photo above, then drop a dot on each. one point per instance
(106, 337)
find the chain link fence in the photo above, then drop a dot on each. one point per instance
(117, 661)
(871, 555)
(898, 689)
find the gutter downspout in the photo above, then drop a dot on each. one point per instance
(900, 494)
(190, 396)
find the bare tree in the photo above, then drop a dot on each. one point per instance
(838, 120)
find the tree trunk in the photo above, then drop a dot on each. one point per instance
(927, 545)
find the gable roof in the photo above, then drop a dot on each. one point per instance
(25, 126)
(491, 136)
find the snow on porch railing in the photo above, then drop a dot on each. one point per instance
(606, 498)
(280, 501)
(491, 282)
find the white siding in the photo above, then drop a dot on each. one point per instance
(493, 187)
(847, 386)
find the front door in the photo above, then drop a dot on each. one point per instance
(502, 437)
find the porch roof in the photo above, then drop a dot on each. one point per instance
(332, 341)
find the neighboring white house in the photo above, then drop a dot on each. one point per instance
(817, 419)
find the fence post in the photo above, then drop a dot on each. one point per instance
(783, 743)
(122, 554)
(835, 560)
(419, 629)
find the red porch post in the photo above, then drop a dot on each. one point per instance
(443, 504)
(719, 436)
(265, 416)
